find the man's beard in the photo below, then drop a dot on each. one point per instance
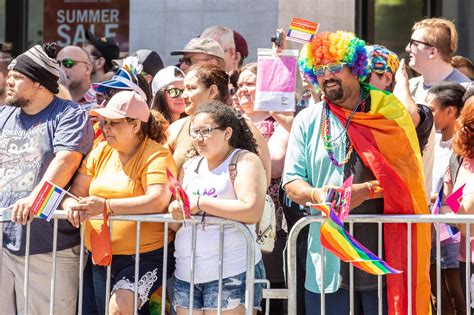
(333, 94)
(17, 102)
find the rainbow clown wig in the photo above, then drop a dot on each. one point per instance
(329, 47)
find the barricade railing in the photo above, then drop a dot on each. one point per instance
(157, 218)
(409, 220)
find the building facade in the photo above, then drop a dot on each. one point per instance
(167, 25)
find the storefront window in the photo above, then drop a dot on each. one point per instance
(461, 13)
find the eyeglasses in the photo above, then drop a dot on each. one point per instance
(174, 92)
(188, 61)
(335, 67)
(69, 63)
(417, 42)
(204, 132)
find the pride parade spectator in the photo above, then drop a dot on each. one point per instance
(134, 157)
(43, 138)
(201, 50)
(225, 180)
(167, 87)
(102, 50)
(336, 139)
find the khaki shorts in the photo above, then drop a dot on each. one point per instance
(39, 288)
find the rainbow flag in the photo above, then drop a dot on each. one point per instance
(386, 141)
(47, 200)
(338, 241)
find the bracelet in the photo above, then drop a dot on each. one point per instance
(313, 199)
(107, 207)
(374, 188)
(370, 187)
(377, 187)
(197, 203)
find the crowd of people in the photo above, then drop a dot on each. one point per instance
(110, 129)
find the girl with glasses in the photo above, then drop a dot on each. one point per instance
(221, 137)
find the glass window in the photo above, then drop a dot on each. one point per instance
(461, 13)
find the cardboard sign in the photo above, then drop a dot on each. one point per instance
(66, 21)
(302, 31)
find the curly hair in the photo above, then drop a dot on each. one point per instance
(209, 75)
(463, 143)
(226, 116)
(329, 47)
(155, 127)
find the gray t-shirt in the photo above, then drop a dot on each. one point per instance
(28, 144)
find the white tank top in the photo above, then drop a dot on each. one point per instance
(198, 180)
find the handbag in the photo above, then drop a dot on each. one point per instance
(266, 226)
(101, 244)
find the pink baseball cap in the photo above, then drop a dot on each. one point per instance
(124, 104)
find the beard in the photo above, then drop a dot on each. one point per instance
(17, 102)
(333, 94)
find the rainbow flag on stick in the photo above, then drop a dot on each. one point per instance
(338, 241)
(47, 200)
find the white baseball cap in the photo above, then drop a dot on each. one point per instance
(166, 76)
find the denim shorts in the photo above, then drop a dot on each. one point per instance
(449, 255)
(205, 294)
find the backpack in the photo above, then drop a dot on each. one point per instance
(266, 227)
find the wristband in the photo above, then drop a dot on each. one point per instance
(197, 203)
(313, 199)
(107, 207)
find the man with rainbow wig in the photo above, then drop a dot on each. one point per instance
(367, 133)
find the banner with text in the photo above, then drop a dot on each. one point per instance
(66, 21)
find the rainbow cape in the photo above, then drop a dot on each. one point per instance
(47, 200)
(344, 246)
(386, 141)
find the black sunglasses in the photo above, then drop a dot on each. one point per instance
(69, 63)
(414, 41)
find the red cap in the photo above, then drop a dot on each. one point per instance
(241, 45)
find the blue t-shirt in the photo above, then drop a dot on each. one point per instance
(28, 144)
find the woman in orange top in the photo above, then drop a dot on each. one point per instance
(124, 175)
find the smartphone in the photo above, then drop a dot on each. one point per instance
(278, 38)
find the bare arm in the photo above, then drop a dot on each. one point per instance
(250, 187)
(277, 145)
(402, 92)
(60, 171)
(284, 119)
(263, 151)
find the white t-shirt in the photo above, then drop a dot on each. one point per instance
(217, 184)
(442, 153)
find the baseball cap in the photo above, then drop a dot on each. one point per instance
(203, 45)
(166, 76)
(381, 59)
(124, 104)
(241, 45)
(106, 45)
(149, 59)
(122, 80)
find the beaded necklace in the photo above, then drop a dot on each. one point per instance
(330, 144)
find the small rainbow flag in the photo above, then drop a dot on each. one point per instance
(338, 241)
(47, 200)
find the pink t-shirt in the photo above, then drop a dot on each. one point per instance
(465, 176)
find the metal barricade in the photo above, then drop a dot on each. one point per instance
(159, 218)
(409, 220)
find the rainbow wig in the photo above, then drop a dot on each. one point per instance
(329, 47)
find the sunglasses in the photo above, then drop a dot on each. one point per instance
(174, 92)
(417, 42)
(335, 67)
(190, 62)
(69, 63)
